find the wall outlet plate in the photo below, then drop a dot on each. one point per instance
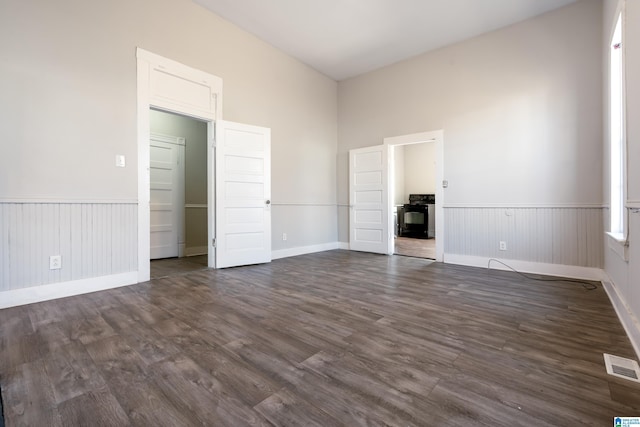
(55, 262)
(503, 245)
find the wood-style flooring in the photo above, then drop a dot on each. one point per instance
(419, 248)
(337, 338)
(172, 266)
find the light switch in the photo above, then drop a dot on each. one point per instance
(120, 161)
(445, 183)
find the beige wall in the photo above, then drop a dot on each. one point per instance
(68, 84)
(520, 109)
(419, 169)
(68, 107)
(399, 194)
(414, 171)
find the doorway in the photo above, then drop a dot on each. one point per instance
(171, 86)
(371, 205)
(238, 157)
(178, 193)
(416, 174)
(413, 192)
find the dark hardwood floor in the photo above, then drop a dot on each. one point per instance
(329, 339)
(172, 266)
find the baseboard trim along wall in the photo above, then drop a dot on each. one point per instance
(303, 250)
(629, 321)
(196, 250)
(51, 291)
(344, 245)
(576, 272)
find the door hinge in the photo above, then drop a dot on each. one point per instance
(213, 242)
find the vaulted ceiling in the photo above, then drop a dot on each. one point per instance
(345, 38)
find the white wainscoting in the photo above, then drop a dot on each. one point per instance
(93, 239)
(547, 235)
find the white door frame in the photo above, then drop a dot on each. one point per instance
(436, 137)
(171, 86)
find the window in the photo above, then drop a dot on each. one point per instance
(617, 134)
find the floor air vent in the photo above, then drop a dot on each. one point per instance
(621, 367)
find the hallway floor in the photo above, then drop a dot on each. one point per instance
(418, 248)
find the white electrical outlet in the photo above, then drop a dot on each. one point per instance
(503, 245)
(284, 236)
(55, 262)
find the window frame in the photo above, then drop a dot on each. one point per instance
(617, 140)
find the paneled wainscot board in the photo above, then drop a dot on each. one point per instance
(550, 235)
(93, 240)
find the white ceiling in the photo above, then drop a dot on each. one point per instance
(344, 38)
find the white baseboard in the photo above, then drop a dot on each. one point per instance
(629, 321)
(344, 245)
(302, 250)
(576, 272)
(51, 291)
(196, 250)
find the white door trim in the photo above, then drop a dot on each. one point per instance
(436, 137)
(171, 86)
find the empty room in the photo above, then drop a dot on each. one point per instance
(216, 213)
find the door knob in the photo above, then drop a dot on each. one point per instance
(268, 202)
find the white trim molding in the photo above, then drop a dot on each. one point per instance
(629, 321)
(526, 205)
(559, 270)
(303, 250)
(196, 250)
(618, 245)
(41, 293)
(169, 139)
(44, 200)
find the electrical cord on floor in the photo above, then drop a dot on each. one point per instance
(585, 284)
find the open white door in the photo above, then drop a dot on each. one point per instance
(368, 195)
(243, 192)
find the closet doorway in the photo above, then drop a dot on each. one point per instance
(178, 193)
